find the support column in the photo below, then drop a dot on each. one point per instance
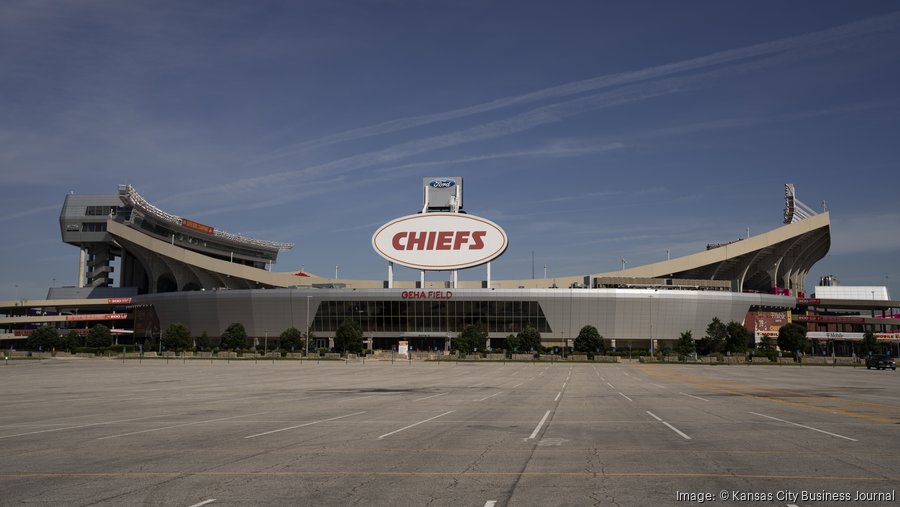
(390, 275)
(422, 279)
(488, 275)
(81, 260)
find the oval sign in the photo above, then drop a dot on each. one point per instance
(440, 241)
(442, 183)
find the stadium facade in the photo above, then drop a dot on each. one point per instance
(175, 270)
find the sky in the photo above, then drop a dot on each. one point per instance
(590, 131)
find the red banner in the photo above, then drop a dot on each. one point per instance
(829, 318)
(98, 316)
(190, 224)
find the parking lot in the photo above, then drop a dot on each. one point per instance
(108, 432)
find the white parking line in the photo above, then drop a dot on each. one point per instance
(302, 425)
(429, 397)
(657, 385)
(414, 425)
(204, 502)
(489, 397)
(692, 396)
(517, 385)
(673, 428)
(490, 503)
(81, 426)
(564, 385)
(807, 427)
(610, 385)
(538, 427)
(476, 385)
(626, 397)
(557, 396)
(179, 426)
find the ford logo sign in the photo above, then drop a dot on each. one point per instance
(442, 183)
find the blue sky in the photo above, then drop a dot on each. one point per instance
(590, 131)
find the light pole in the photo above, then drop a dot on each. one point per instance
(651, 323)
(308, 327)
(336, 273)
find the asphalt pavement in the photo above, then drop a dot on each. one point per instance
(108, 432)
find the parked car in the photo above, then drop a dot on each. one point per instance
(880, 361)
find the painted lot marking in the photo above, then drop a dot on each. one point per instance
(429, 397)
(807, 427)
(692, 396)
(657, 385)
(204, 502)
(303, 425)
(81, 426)
(626, 397)
(673, 428)
(540, 424)
(490, 503)
(557, 396)
(179, 426)
(564, 385)
(476, 385)
(489, 397)
(517, 385)
(414, 425)
(610, 385)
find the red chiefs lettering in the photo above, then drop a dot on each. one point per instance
(439, 240)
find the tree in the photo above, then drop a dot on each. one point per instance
(471, 339)
(99, 336)
(512, 343)
(685, 345)
(714, 341)
(203, 341)
(792, 337)
(766, 347)
(291, 339)
(530, 338)
(69, 341)
(43, 338)
(348, 337)
(176, 337)
(737, 338)
(589, 340)
(868, 345)
(234, 337)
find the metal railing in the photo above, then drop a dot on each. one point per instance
(130, 196)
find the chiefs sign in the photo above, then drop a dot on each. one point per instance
(440, 241)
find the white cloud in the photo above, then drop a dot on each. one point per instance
(800, 42)
(6, 217)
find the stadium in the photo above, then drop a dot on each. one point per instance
(171, 269)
